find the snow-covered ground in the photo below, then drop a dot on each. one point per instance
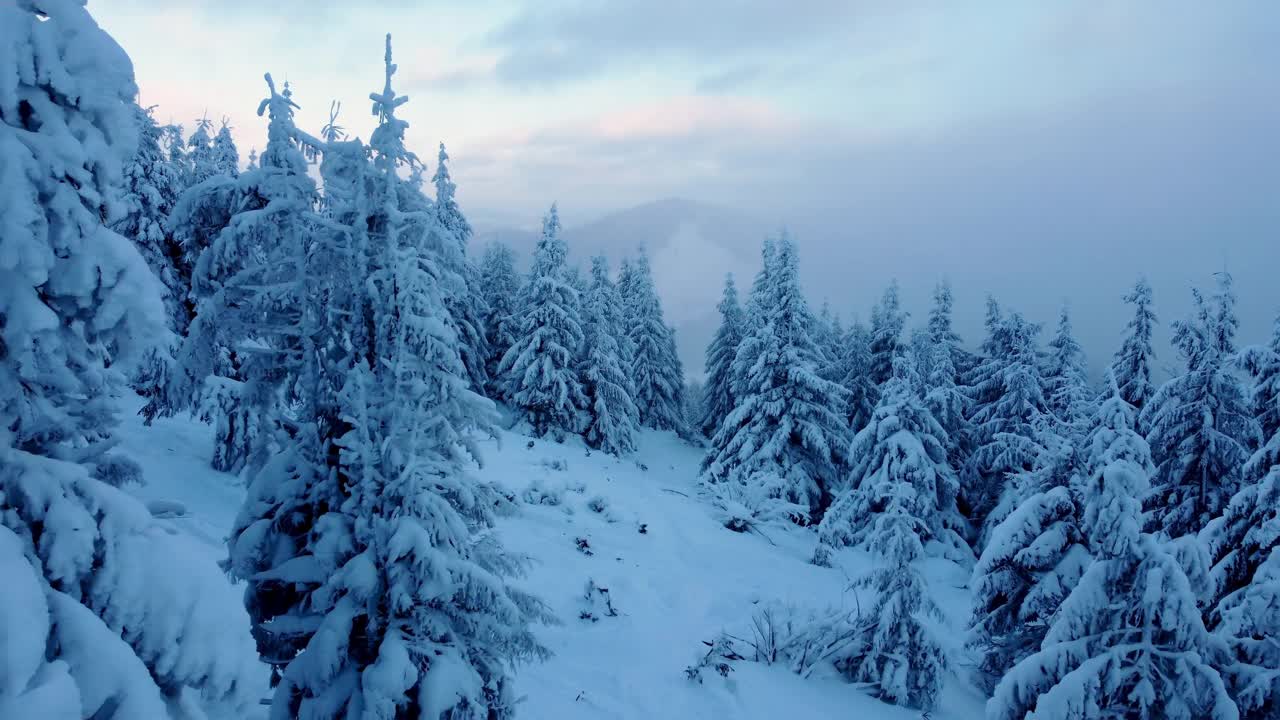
(685, 579)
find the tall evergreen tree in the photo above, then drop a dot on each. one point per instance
(656, 368)
(1009, 408)
(943, 394)
(787, 428)
(863, 392)
(151, 188)
(1199, 424)
(204, 159)
(606, 381)
(224, 155)
(1128, 641)
(500, 284)
(900, 473)
(104, 613)
(539, 369)
(467, 306)
(1263, 363)
(887, 323)
(718, 395)
(1132, 365)
(1066, 377)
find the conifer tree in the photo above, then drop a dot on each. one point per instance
(467, 305)
(900, 473)
(942, 392)
(787, 428)
(863, 393)
(606, 382)
(225, 156)
(1132, 365)
(1199, 424)
(887, 323)
(1066, 377)
(205, 160)
(1263, 363)
(539, 370)
(656, 369)
(104, 613)
(501, 287)
(718, 395)
(1128, 640)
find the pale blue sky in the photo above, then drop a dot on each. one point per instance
(1045, 150)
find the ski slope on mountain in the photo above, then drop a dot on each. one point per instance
(637, 528)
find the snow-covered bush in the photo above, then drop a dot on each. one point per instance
(753, 504)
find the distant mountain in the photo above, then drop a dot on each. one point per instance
(691, 246)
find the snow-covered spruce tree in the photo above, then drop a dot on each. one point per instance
(1035, 553)
(104, 614)
(656, 369)
(787, 427)
(1066, 376)
(1244, 548)
(900, 474)
(887, 323)
(614, 418)
(942, 393)
(1199, 424)
(225, 156)
(1009, 407)
(500, 284)
(717, 393)
(863, 393)
(1128, 641)
(539, 369)
(175, 145)
(151, 188)
(403, 610)
(1133, 361)
(467, 307)
(201, 154)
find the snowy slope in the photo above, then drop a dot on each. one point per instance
(682, 581)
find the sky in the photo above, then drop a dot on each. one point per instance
(1045, 151)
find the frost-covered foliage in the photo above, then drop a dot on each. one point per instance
(1133, 361)
(225, 156)
(942, 393)
(205, 161)
(1009, 404)
(787, 421)
(1128, 640)
(717, 394)
(895, 651)
(103, 615)
(539, 370)
(887, 322)
(1199, 424)
(1066, 377)
(606, 381)
(467, 304)
(863, 393)
(1034, 554)
(1263, 363)
(152, 186)
(371, 579)
(500, 284)
(656, 369)
(900, 477)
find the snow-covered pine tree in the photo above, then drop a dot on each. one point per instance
(656, 369)
(382, 573)
(1066, 376)
(467, 307)
(605, 378)
(942, 393)
(717, 394)
(500, 284)
(175, 145)
(1133, 361)
(200, 152)
(1199, 424)
(863, 393)
(1035, 553)
(900, 474)
(1243, 608)
(225, 156)
(1008, 411)
(104, 613)
(887, 323)
(787, 427)
(151, 188)
(539, 370)
(1128, 641)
